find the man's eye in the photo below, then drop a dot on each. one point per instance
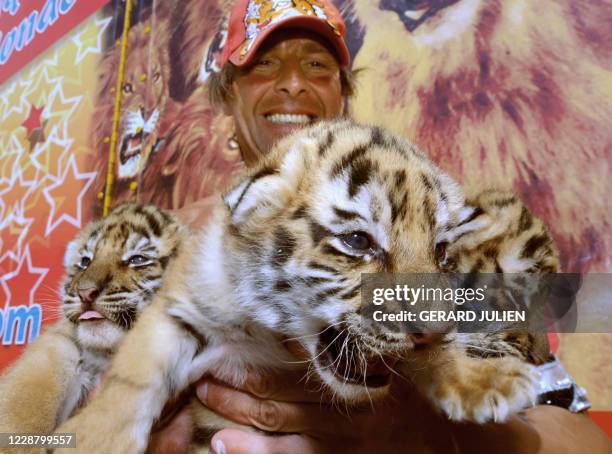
(138, 260)
(85, 262)
(320, 64)
(266, 65)
(317, 64)
(358, 241)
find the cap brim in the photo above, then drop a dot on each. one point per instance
(318, 26)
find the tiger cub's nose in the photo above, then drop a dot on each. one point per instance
(89, 294)
(424, 338)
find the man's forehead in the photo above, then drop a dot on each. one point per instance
(309, 41)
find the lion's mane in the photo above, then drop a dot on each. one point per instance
(508, 93)
(145, 45)
(194, 160)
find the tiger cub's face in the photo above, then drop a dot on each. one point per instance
(113, 268)
(332, 202)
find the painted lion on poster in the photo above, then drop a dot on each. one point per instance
(145, 94)
(512, 92)
(195, 161)
(171, 147)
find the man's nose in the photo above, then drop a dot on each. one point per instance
(291, 80)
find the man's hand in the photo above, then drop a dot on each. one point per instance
(285, 405)
(405, 422)
(175, 437)
(282, 404)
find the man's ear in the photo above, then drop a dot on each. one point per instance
(270, 187)
(226, 106)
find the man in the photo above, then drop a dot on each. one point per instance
(300, 74)
(285, 66)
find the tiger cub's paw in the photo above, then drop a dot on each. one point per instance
(485, 390)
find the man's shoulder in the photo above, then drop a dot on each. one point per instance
(197, 213)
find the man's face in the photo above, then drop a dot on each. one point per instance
(293, 80)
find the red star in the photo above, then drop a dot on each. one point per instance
(33, 121)
(21, 284)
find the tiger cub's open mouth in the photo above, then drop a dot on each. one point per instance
(342, 355)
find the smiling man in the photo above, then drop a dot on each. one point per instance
(293, 80)
(285, 65)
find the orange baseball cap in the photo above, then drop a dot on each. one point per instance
(251, 21)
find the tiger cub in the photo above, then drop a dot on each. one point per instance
(113, 269)
(282, 258)
(496, 234)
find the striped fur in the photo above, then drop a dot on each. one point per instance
(496, 233)
(128, 253)
(113, 267)
(283, 259)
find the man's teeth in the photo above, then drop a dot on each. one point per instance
(288, 118)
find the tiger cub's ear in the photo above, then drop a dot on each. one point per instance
(496, 232)
(270, 187)
(71, 253)
(450, 204)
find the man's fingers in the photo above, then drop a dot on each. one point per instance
(288, 387)
(175, 437)
(232, 441)
(274, 416)
(241, 407)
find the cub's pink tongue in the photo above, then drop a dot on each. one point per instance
(90, 315)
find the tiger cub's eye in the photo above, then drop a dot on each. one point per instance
(85, 262)
(359, 241)
(138, 260)
(440, 252)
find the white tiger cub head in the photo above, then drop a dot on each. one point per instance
(114, 267)
(331, 202)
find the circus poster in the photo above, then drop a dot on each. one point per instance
(511, 94)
